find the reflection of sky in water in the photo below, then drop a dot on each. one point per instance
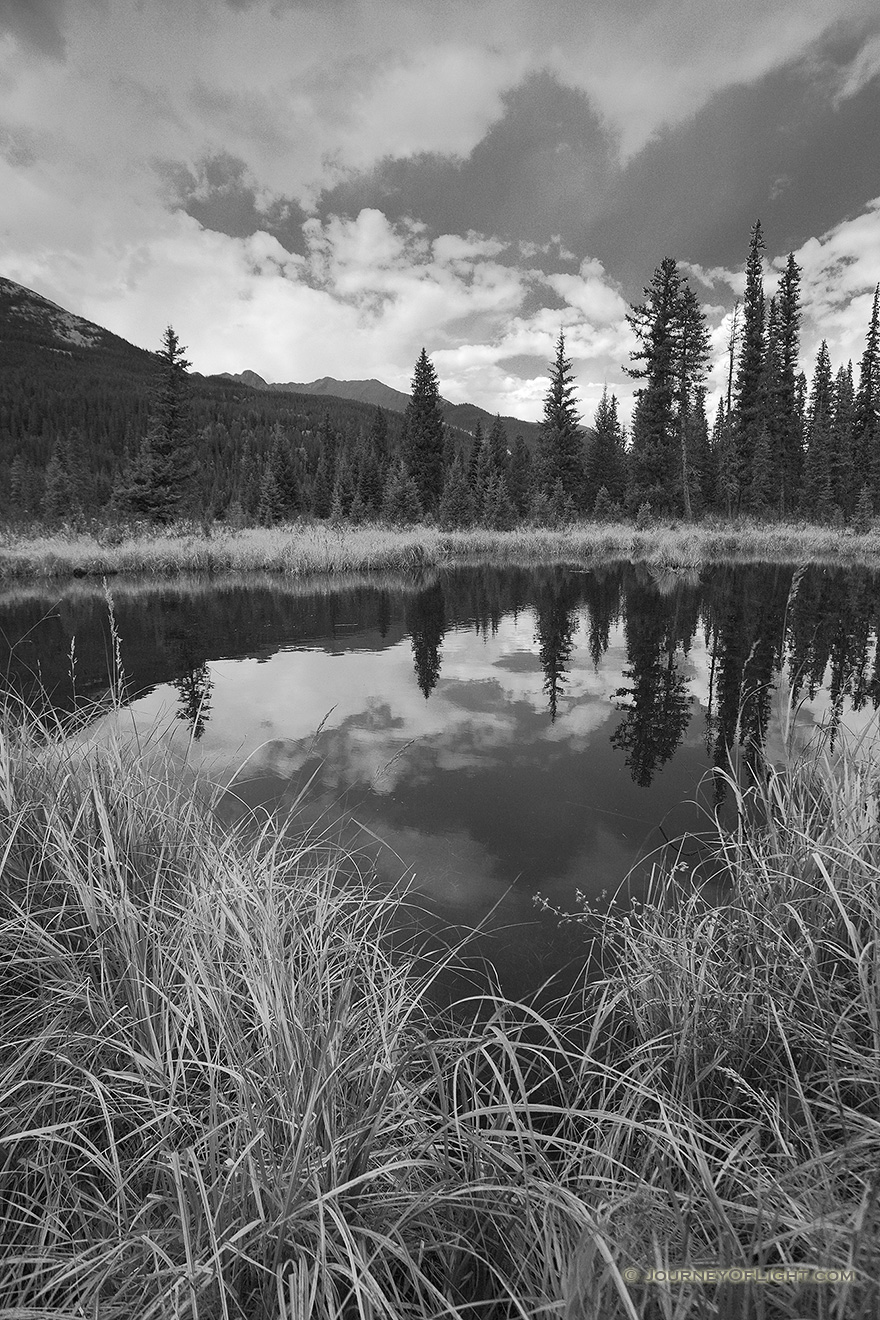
(474, 792)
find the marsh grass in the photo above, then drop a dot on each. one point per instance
(221, 1096)
(315, 547)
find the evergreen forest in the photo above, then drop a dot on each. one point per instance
(104, 431)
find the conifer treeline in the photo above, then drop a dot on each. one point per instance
(779, 447)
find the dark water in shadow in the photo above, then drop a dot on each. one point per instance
(503, 732)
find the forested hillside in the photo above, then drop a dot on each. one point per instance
(76, 402)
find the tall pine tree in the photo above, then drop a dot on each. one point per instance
(749, 383)
(561, 441)
(158, 484)
(425, 435)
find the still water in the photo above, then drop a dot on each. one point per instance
(503, 732)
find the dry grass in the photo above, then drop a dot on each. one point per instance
(221, 1097)
(315, 548)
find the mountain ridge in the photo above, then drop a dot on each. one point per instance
(463, 416)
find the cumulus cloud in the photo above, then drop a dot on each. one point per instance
(252, 111)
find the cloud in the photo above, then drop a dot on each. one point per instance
(35, 25)
(863, 69)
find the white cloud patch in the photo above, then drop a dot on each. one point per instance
(863, 69)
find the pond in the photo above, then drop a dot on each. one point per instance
(503, 732)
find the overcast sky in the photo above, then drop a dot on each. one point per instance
(317, 188)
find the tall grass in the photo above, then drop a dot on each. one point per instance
(316, 547)
(221, 1096)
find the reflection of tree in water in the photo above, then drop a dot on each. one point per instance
(194, 698)
(557, 597)
(654, 722)
(426, 623)
(602, 593)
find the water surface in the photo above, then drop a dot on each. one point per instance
(503, 732)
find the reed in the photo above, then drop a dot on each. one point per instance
(314, 548)
(221, 1096)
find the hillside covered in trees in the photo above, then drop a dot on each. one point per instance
(91, 426)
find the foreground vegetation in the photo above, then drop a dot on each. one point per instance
(220, 1096)
(321, 547)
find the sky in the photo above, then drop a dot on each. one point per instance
(308, 188)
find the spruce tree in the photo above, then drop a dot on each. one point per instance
(817, 496)
(379, 435)
(56, 500)
(425, 435)
(270, 510)
(158, 484)
(750, 368)
(498, 446)
(605, 459)
(283, 473)
(787, 432)
(322, 485)
(692, 359)
(847, 478)
(400, 503)
(520, 476)
(456, 503)
(655, 459)
(561, 440)
(476, 455)
(498, 510)
(867, 403)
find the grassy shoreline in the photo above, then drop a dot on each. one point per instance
(220, 1097)
(314, 548)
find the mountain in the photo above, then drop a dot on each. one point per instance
(64, 379)
(462, 416)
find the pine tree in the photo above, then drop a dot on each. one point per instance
(400, 503)
(655, 458)
(864, 512)
(847, 478)
(867, 402)
(343, 483)
(270, 509)
(158, 484)
(425, 434)
(750, 368)
(498, 447)
(561, 441)
(476, 456)
(322, 486)
(358, 513)
(369, 481)
(692, 359)
(56, 490)
(605, 510)
(605, 459)
(379, 435)
(724, 461)
(456, 503)
(787, 432)
(761, 489)
(283, 473)
(817, 496)
(498, 510)
(520, 476)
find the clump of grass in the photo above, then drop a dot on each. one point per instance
(221, 1096)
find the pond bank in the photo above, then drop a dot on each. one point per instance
(313, 548)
